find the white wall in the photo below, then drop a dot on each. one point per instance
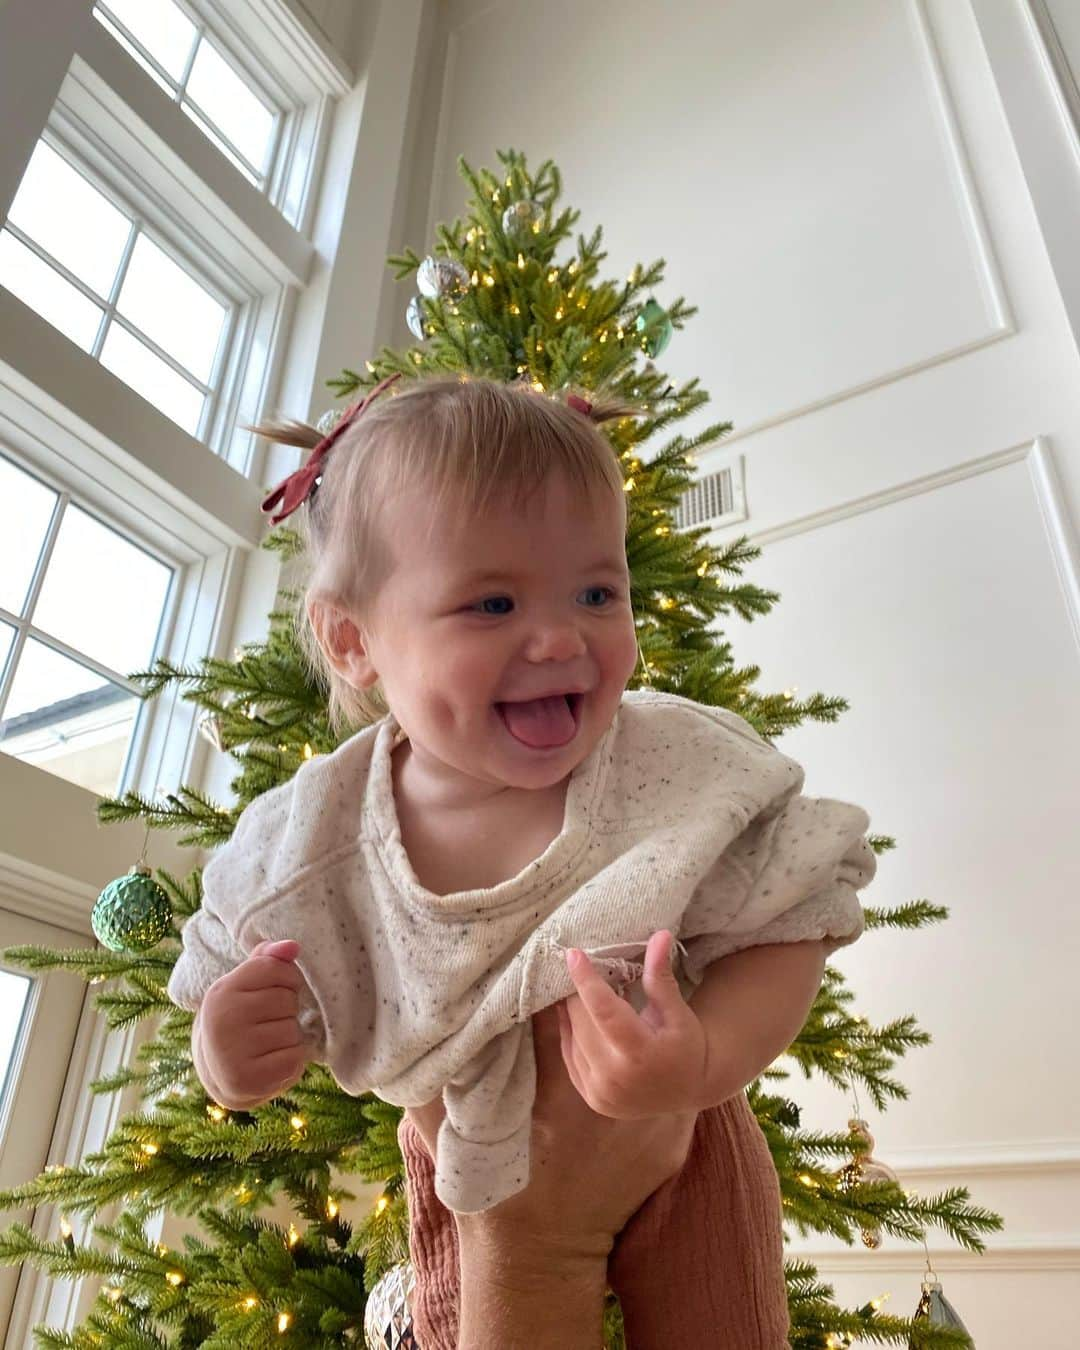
(886, 315)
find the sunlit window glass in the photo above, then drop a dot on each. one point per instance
(28, 509)
(170, 307)
(14, 1002)
(70, 219)
(152, 377)
(159, 26)
(47, 292)
(68, 719)
(94, 576)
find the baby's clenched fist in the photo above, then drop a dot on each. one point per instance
(248, 1045)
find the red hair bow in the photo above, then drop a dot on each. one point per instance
(581, 404)
(298, 487)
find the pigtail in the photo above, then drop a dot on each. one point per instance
(287, 432)
(602, 406)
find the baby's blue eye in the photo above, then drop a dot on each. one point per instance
(604, 590)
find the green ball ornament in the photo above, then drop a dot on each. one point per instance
(132, 913)
(654, 326)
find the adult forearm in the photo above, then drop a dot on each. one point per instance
(752, 1005)
(520, 1299)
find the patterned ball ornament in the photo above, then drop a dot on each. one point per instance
(132, 913)
(441, 277)
(388, 1314)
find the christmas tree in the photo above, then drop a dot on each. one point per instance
(505, 294)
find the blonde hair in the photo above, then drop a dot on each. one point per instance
(470, 441)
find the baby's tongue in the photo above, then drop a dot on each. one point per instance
(540, 722)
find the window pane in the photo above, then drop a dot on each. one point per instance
(46, 291)
(134, 52)
(70, 219)
(211, 135)
(230, 104)
(28, 508)
(14, 997)
(148, 375)
(163, 29)
(171, 307)
(102, 594)
(68, 720)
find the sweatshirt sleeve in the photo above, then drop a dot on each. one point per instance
(235, 878)
(792, 875)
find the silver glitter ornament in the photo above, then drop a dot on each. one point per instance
(388, 1314)
(441, 277)
(519, 218)
(414, 317)
(210, 729)
(328, 421)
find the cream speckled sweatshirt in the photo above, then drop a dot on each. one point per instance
(682, 817)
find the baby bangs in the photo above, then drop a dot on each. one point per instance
(469, 444)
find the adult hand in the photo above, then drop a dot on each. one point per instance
(588, 1172)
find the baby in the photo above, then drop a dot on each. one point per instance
(402, 906)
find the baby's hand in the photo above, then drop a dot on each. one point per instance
(628, 1065)
(250, 1034)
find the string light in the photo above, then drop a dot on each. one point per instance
(553, 275)
(162, 1250)
(476, 278)
(112, 1293)
(294, 1236)
(150, 1148)
(283, 1321)
(521, 261)
(559, 312)
(489, 280)
(331, 1208)
(214, 1111)
(174, 1277)
(381, 1204)
(297, 1122)
(514, 309)
(250, 1302)
(308, 752)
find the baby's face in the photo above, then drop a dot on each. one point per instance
(552, 613)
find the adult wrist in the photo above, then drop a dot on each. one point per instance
(523, 1293)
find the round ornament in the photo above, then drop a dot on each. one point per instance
(328, 421)
(132, 913)
(654, 327)
(441, 277)
(414, 317)
(388, 1314)
(519, 218)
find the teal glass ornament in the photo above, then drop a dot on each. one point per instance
(132, 913)
(654, 326)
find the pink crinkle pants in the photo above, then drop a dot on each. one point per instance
(700, 1263)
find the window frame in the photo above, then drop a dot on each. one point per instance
(141, 223)
(280, 108)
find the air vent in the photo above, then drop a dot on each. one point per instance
(716, 500)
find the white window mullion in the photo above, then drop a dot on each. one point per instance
(21, 623)
(114, 292)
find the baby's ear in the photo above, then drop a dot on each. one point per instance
(342, 642)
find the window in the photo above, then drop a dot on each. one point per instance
(92, 270)
(81, 607)
(194, 71)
